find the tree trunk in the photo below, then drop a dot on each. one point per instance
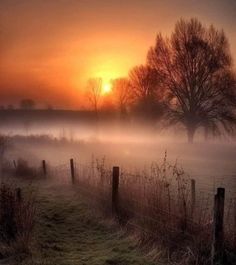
(123, 113)
(206, 134)
(190, 132)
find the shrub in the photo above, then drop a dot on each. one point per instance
(24, 170)
(17, 216)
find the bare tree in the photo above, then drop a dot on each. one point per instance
(146, 91)
(94, 88)
(123, 94)
(195, 68)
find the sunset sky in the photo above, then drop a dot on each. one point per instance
(49, 48)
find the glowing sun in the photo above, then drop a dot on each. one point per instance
(106, 88)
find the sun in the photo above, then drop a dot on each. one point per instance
(106, 88)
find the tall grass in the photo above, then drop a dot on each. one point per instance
(157, 204)
(17, 218)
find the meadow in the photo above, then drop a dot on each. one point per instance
(157, 206)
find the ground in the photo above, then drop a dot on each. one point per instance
(67, 232)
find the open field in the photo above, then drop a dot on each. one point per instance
(211, 162)
(68, 232)
(155, 187)
(156, 203)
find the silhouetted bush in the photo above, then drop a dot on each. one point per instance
(24, 170)
(17, 216)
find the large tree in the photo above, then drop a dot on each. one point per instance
(146, 91)
(195, 68)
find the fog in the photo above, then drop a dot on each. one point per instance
(122, 144)
(129, 144)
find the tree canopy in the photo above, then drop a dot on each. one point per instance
(146, 91)
(194, 67)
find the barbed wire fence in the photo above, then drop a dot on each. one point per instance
(161, 203)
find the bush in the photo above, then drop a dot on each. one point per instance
(24, 170)
(17, 216)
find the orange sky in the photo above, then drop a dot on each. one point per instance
(49, 48)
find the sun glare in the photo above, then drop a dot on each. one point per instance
(106, 88)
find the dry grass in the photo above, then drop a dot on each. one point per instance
(17, 217)
(157, 205)
(24, 170)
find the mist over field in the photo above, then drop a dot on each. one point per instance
(128, 144)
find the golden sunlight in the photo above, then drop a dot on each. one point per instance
(106, 88)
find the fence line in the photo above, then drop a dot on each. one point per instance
(154, 200)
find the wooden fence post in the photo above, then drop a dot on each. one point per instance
(193, 195)
(14, 164)
(115, 190)
(19, 194)
(44, 167)
(235, 223)
(72, 169)
(218, 227)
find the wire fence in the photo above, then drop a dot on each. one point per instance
(161, 202)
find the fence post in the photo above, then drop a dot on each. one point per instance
(235, 223)
(44, 167)
(14, 164)
(72, 169)
(115, 190)
(19, 194)
(218, 227)
(193, 195)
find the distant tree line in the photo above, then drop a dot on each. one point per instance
(27, 104)
(188, 79)
(24, 104)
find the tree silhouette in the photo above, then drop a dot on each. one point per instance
(195, 68)
(27, 104)
(94, 88)
(146, 90)
(122, 94)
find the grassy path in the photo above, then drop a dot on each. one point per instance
(67, 233)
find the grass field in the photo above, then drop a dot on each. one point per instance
(68, 232)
